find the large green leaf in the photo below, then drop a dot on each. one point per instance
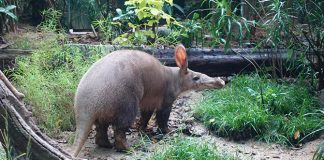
(155, 11)
(10, 7)
(7, 11)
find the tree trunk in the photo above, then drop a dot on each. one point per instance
(19, 130)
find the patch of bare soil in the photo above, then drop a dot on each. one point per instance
(181, 119)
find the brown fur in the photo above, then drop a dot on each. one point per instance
(118, 84)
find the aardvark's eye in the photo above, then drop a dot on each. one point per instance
(195, 78)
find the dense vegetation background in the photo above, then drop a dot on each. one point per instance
(276, 104)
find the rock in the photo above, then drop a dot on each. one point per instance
(199, 130)
(187, 109)
(189, 120)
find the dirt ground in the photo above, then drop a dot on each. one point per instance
(181, 119)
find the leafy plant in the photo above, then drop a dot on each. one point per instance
(311, 44)
(175, 34)
(6, 11)
(277, 22)
(143, 26)
(303, 35)
(224, 24)
(107, 27)
(51, 20)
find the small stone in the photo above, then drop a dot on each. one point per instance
(62, 141)
(187, 109)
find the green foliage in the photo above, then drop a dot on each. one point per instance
(51, 20)
(256, 107)
(224, 24)
(7, 11)
(308, 38)
(150, 10)
(187, 148)
(296, 25)
(138, 37)
(277, 23)
(187, 32)
(148, 13)
(107, 27)
(49, 78)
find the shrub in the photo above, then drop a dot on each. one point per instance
(148, 16)
(51, 20)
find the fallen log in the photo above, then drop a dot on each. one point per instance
(18, 129)
(7, 56)
(213, 62)
(12, 53)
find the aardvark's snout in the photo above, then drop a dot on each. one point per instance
(219, 83)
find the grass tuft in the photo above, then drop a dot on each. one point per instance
(188, 148)
(257, 107)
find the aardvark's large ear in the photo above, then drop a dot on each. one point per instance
(181, 58)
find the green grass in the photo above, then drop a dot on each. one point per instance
(49, 78)
(180, 148)
(283, 113)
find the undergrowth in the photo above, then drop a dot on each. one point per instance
(251, 106)
(49, 78)
(180, 148)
